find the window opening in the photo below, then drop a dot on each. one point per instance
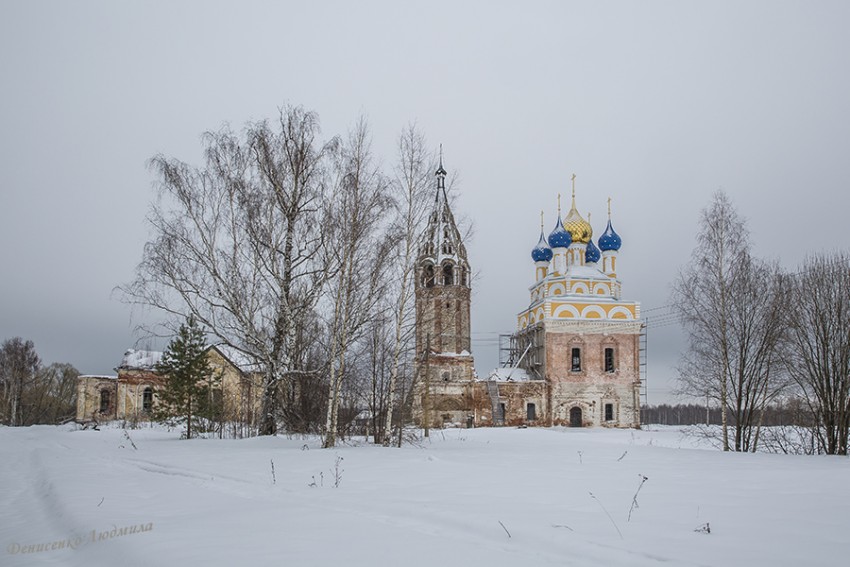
(147, 400)
(448, 275)
(429, 276)
(104, 401)
(576, 360)
(609, 360)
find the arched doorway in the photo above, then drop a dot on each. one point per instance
(575, 417)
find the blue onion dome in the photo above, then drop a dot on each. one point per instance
(541, 252)
(609, 240)
(591, 255)
(560, 237)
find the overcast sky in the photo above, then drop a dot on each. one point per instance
(655, 104)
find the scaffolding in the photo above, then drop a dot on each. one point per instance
(524, 349)
(644, 388)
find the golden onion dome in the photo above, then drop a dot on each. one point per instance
(579, 228)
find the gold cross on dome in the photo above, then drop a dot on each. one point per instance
(573, 178)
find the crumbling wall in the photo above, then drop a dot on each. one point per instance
(591, 387)
(89, 390)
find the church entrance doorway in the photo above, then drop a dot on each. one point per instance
(575, 417)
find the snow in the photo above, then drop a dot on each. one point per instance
(587, 272)
(445, 501)
(462, 353)
(140, 359)
(238, 358)
(509, 375)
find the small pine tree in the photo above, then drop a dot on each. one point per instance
(188, 378)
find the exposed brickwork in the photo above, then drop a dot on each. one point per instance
(240, 392)
(591, 387)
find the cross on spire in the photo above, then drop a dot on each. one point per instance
(573, 178)
(441, 174)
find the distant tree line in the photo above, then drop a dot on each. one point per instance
(297, 252)
(761, 338)
(791, 412)
(31, 393)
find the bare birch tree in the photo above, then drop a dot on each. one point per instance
(410, 189)
(357, 255)
(237, 241)
(703, 295)
(19, 368)
(818, 350)
(756, 326)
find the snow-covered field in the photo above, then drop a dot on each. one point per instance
(468, 497)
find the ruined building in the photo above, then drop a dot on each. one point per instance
(132, 394)
(575, 357)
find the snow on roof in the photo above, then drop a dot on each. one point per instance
(363, 415)
(464, 352)
(509, 375)
(99, 376)
(148, 359)
(239, 359)
(140, 360)
(588, 272)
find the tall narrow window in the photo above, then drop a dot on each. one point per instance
(105, 398)
(609, 359)
(448, 275)
(576, 360)
(609, 412)
(428, 276)
(531, 412)
(147, 400)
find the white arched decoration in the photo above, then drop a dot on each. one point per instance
(557, 289)
(620, 313)
(601, 289)
(540, 313)
(523, 322)
(580, 287)
(566, 311)
(593, 312)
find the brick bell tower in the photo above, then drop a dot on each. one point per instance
(444, 364)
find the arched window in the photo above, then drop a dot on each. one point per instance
(147, 400)
(448, 275)
(428, 276)
(105, 398)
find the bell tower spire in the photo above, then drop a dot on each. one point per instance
(441, 174)
(444, 362)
